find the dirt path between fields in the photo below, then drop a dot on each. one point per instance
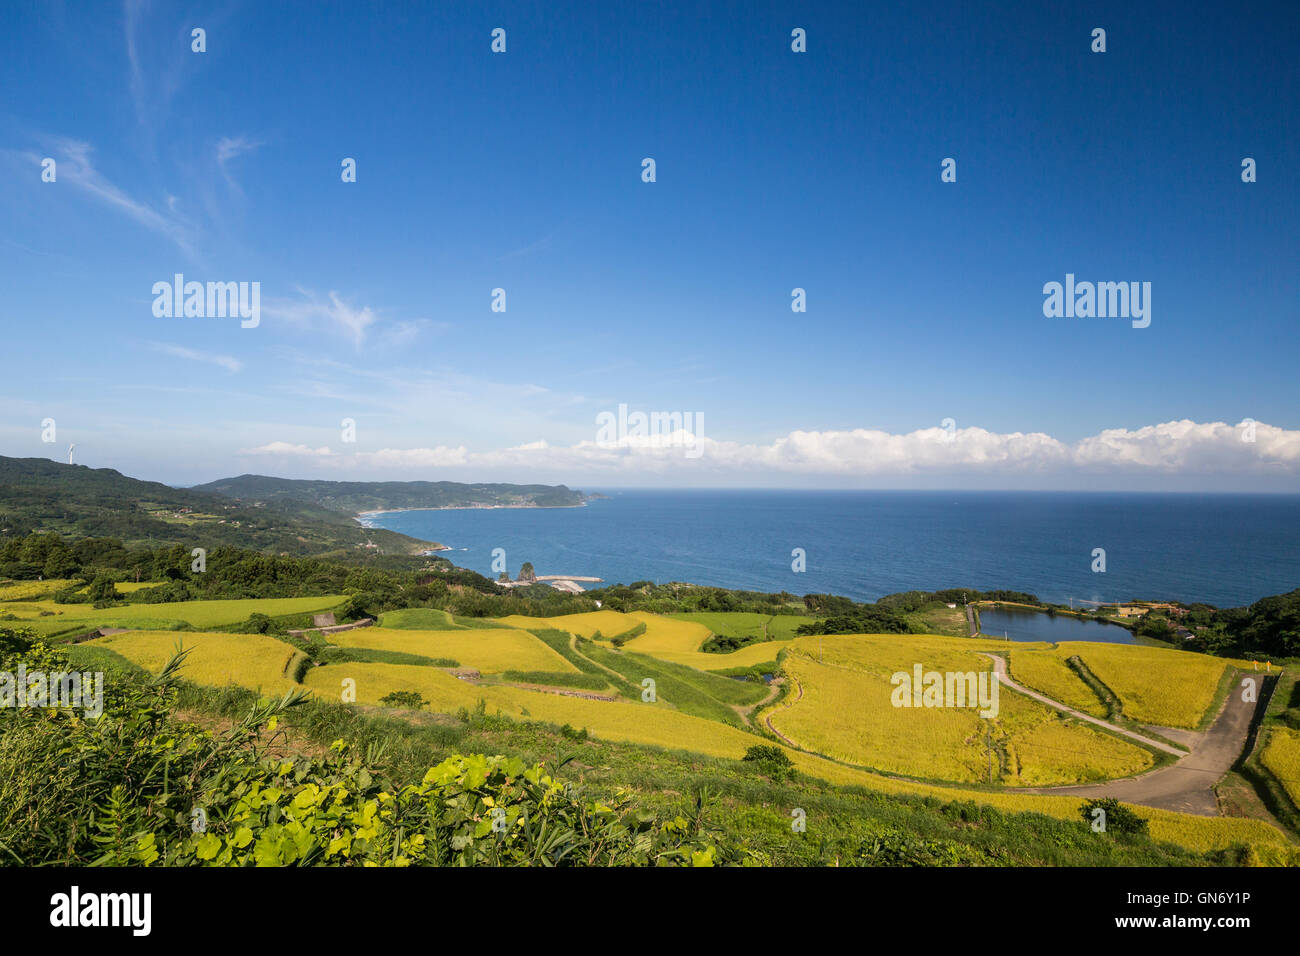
(768, 719)
(550, 689)
(747, 713)
(1187, 786)
(618, 678)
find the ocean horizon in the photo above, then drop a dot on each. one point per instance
(1218, 548)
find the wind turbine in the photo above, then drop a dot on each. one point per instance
(70, 447)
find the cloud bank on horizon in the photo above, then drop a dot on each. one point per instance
(1184, 448)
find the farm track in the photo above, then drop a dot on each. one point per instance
(550, 689)
(1189, 785)
(1000, 668)
(768, 719)
(615, 675)
(747, 713)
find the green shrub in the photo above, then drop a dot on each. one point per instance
(1118, 817)
(573, 734)
(771, 761)
(409, 699)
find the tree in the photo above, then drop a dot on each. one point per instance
(102, 589)
(61, 563)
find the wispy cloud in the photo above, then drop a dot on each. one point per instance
(359, 324)
(159, 70)
(229, 363)
(76, 167)
(230, 148)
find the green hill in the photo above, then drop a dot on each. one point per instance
(37, 494)
(354, 497)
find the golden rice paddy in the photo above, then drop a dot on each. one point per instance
(253, 661)
(489, 651)
(844, 707)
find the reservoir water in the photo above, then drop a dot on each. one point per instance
(1025, 625)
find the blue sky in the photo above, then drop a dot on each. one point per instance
(774, 170)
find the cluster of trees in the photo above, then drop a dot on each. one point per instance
(841, 615)
(1269, 627)
(677, 596)
(50, 556)
(907, 601)
(864, 619)
(96, 565)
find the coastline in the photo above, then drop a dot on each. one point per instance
(364, 518)
(361, 516)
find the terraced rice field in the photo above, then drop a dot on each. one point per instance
(1166, 687)
(633, 721)
(608, 623)
(1282, 759)
(667, 638)
(679, 641)
(488, 651)
(160, 616)
(420, 619)
(767, 627)
(216, 660)
(1046, 671)
(25, 610)
(845, 710)
(130, 587)
(30, 590)
(654, 725)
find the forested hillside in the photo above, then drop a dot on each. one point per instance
(353, 497)
(37, 494)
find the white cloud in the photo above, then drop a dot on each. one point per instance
(285, 448)
(1175, 448)
(228, 149)
(229, 363)
(75, 167)
(310, 310)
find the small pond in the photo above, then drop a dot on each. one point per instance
(1022, 624)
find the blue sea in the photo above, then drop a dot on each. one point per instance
(1225, 550)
